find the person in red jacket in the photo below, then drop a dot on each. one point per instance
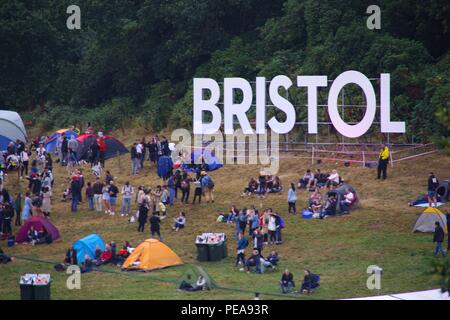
(106, 255)
(101, 149)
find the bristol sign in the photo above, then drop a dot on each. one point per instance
(311, 83)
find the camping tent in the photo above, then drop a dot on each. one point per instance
(50, 145)
(87, 245)
(444, 190)
(339, 192)
(37, 223)
(11, 128)
(113, 146)
(425, 222)
(193, 273)
(211, 162)
(150, 255)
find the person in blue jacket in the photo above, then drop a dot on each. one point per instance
(242, 244)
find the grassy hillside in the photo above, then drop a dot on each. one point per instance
(339, 249)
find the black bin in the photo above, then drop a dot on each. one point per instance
(41, 291)
(26, 292)
(216, 251)
(202, 252)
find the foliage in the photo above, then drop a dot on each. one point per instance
(138, 57)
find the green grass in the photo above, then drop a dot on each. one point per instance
(339, 249)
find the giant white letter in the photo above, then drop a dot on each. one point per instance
(385, 105)
(260, 105)
(357, 130)
(312, 82)
(239, 109)
(210, 105)
(283, 104)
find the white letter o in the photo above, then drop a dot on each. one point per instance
(357, 130)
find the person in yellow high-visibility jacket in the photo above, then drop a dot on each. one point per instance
(383, 161)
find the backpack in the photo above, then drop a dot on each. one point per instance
(281, 223)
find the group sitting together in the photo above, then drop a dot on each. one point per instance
(264, 185)
(310, 282)
(109, 255)
(320, 180)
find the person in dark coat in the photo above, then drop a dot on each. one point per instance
(143, 212)
(433, 184)
(155, 228)
(64, 150)
(287, 281)
(75, 189)
(310, 281)
(447, 215)
(71, 256)
(438, 237)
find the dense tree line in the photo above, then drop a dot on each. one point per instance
(135, 59)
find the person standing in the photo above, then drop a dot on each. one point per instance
(143, 211)
(26, 212)
(207, 186)
(47, 201)
(64, 150)
(73, 147)
(197, 190)
(127, 193)
(101, 148)
(24, 160)
(433, 184)
(113, 192)
(292, 199)
(155, 228)
(242, 244)
(383, 160)
(76, 192)
(172, 189)
(447, 215)
(438, 237)
(18, 208)
(134, 160)
(90, 196)
(97, 190)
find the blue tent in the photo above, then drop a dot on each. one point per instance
(50, 145)
(87, 245)
(211, 161)
(11, 128)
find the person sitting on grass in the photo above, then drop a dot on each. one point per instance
(315, 201)
(333, 180)
(349, 198)
(330, 207)
(287, 281)
(276, 185)
(253, 261)
(32, 235)
(242, 244)
(179, 222)
(200, 285)
(310, 282)
(86, 266)
(234, 212)
(273, 258)
(251, 188)
(97, 255)
(106, 255)
(43, 236)
(307, 181)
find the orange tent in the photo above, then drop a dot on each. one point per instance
(150, 255)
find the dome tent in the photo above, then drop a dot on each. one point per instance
(425, 222)
(211, 162)
(87, 245)
(150, 255)
(50, 145)
(37, 223)
(113, 146)
(11, 128)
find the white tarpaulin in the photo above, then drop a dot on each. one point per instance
(418, 295)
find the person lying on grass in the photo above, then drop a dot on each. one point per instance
(180, 221)
(4, 258)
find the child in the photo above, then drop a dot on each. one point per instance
(179, 222)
